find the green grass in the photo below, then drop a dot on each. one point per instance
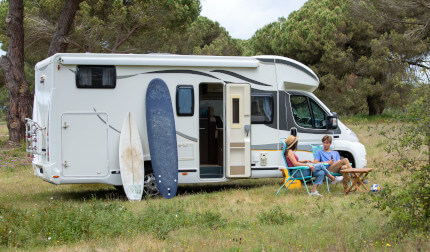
(3, 129)
(241, 215)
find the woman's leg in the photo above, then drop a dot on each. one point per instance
(314, 188)
(321, 167)
(319, 177)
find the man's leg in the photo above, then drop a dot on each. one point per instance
(338, 164)
(345, 178)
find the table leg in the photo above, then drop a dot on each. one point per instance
(357, 179)
(362, 179)
(356, 182)
(349, 189)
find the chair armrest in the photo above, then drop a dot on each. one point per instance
(298, 168)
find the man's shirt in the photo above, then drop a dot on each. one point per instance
(323, 156)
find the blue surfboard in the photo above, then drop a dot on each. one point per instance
(160, 125)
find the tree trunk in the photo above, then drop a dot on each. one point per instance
(376, 104)
(20, 98)
(59, 40)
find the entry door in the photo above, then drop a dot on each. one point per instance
(238, 130)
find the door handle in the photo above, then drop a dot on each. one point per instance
(247, 129)
(65, 126)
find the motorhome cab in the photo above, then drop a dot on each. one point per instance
(230, 115)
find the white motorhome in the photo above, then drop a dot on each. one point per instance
(230, 114)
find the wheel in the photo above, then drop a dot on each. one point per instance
(150, 186)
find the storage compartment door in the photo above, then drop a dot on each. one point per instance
(84, 144)
(238, 130)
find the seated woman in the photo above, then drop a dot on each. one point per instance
(318, 170)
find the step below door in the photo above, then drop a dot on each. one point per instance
(84, 144)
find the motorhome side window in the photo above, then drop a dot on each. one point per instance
(95, 76)
(185, 100)
(307, 113)
(261, 108)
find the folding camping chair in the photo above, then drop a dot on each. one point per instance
(292, 171)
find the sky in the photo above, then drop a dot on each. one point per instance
(242, 18)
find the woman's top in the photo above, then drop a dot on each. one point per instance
(289, 163)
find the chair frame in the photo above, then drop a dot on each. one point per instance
(291, 173)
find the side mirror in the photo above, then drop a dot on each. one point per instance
(332, 121)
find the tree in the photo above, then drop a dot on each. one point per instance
(14, 67)
(129, 26)
(203, 36)
(360, 67)
(12, 64)
(59, 40)
(100, 26)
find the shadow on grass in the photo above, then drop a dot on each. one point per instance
(189, 189)
(82, 193)
(85, 194)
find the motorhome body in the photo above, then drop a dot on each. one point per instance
(230, 114)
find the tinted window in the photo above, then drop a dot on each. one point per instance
(185, 100)
(307, 113)
(319, 115)
(235, 110)
(261, 109)
(95, 76)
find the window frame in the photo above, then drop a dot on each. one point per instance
(270, 96)
(78, 85)
(308, 101)
(191, 87)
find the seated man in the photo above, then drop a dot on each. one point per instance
(333, 159)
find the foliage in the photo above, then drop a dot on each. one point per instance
(202, 37)
(275, 216)
(409, 205)
(361, 67)
(61, 222)
(4, 102)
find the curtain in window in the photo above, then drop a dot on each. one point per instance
(267, 107)
(85, 77)
(107, 77)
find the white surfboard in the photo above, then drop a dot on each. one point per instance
(131, 160)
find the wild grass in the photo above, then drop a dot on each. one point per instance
(3, 129)
(241, 215)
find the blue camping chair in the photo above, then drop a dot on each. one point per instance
(294, 173)
(315, 149)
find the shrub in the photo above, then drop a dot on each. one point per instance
(409, 204)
